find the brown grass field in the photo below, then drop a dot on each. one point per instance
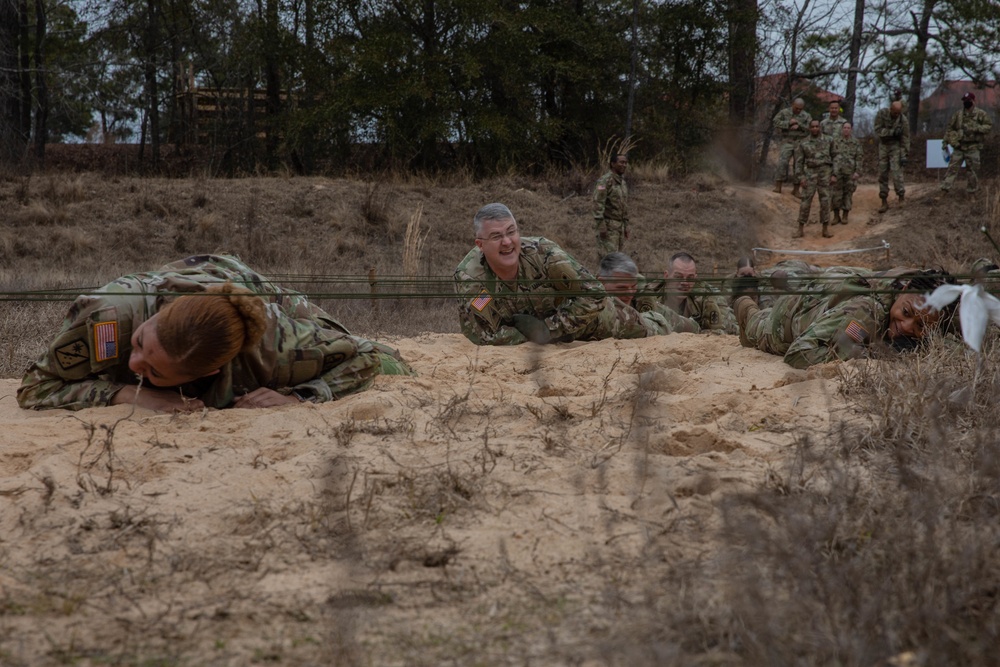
(670, 501)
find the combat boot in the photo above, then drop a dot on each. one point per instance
(826, 232)
(801, 232)
(777, 187)
(885, 204)
(836, 216)
(902, 198)
(843, 218)
(795, 190)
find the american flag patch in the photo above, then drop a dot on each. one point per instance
(856, 332)
(105, 340)
(482, 300)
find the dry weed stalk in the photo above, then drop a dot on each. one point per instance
(614, 146)
(413, 243)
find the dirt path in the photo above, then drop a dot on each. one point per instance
(866, 222)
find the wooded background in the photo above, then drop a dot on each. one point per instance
(320, 86)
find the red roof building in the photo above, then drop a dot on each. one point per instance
(773, 94)
(937, 108)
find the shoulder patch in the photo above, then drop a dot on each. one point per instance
(72, 354)
(105, 341)
(482, 300)
(856, 332)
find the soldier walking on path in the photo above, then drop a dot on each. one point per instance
(833, 123)
(791, 125)
(893, 132)
(965, 134)
(846, 170)
(813, 169)
(611, 208)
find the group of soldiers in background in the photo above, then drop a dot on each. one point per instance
(827, 162)
(828, 159)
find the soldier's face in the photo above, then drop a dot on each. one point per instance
(814, 128)
(500, 242)
(620, 165)
(834, 109)
(684, 273)
(149, 359)
(846, 130)
(621, 285)
(907, 320)
(796, 108)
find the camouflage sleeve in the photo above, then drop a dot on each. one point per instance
(71, 374)
(781, 121)
(484, 332)
(352, 374)
(618, 320)
(905, 136)
(800, 163)
(579, 311)
(600, 200)
(842, 332)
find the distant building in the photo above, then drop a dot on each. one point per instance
(937, 108)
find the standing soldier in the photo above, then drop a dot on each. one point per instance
(791, 125)
(846, 171)
(813, 166)
(965, 134)
(893, 132)
(833, 122)
(611, 208)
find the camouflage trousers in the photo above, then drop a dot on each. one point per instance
(972, 162)
(889, 155)
(842, 192)
(817, 181)
(785, 155)
(610, 237)
(758, 328)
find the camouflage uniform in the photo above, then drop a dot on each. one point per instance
(789, 138)
(965, 134)
(610, 213)
(832, 127)
(702, 307)
(304, 350)
(846, 162)
(893, 145)
(813, 163)
(551, 286)
(818, 326)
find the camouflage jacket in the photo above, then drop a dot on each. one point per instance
(611, 201)
(838, 314)
(782, 123)
(550, 285)
(967, 129)
(891, 130)
(847, 155)
(832, 127)
(705, 306)
(813, 155)
(303, 349)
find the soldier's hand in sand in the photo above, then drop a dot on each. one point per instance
(264, 398)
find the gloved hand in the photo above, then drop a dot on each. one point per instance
(533, 328)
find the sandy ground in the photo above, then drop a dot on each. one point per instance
(476, 514)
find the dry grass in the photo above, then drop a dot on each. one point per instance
(870, 541)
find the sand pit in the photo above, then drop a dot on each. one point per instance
(482, 510)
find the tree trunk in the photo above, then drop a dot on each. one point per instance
(742, 28)
(25, 71)
(632, 69)
(272, 76)
(850, 100)
(149, 74)
(41, 87)
(919, 60)
(11, 138)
